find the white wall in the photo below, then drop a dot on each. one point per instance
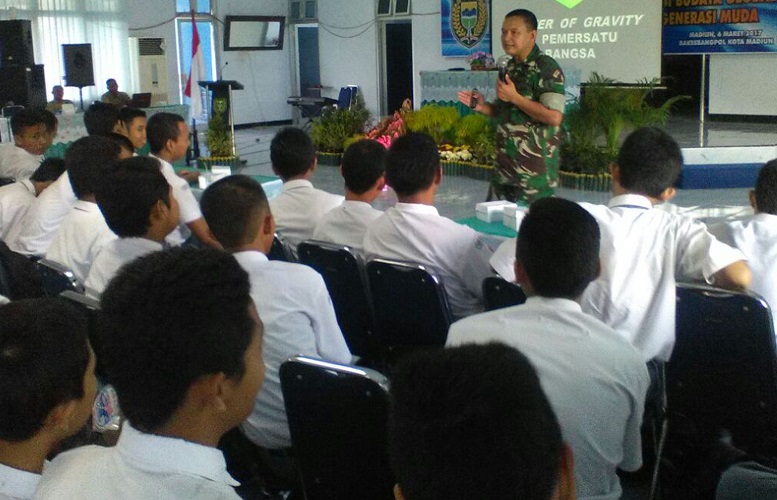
(145, 13)
(731, 94)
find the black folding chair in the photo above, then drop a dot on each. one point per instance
(281, 250)
(337, 417)
(57, 278)
(499, 293)
(343, 273)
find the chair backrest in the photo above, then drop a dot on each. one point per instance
(343, 273)
(347, 96)
(410, 304)
(9, 111)
(499, 293)
(22, 279)
(280, 250)
(57, 278)
(723, 369)
(337, 417)
(6, 287)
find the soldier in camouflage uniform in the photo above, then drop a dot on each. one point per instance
(528, 112)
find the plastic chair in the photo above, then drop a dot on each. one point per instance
(337, 417)
(347, 96)
(343, 273)
(57, 278)
(281, 250)
(499, 293)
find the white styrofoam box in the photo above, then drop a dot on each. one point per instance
(513, 216)
(491, 211)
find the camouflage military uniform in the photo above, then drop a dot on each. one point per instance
(528, 151)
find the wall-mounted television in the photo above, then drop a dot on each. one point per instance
(253, 32)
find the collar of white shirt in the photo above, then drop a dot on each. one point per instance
(142, 243)
(162, 454)
(417, 208)
(27, 183)
(248, 256)
(765, 217)
(555, 303)
(86, 206)
(630, 200)
(296, 184)
(16, 483)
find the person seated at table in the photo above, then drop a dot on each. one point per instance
(644, 251)
(135, 122)
(83, 233)
(47, 386)
(581, 362)
(292, 299)
(183, 350)
(55, 105)
(113, 96)
(299, 206)
(363, 171)
(20, 158)
(139, 207)
(471, 423)
(16, 198)
(756, 236)
(168, 136)
(414, 231)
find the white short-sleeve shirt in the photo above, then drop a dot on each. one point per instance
(113, 255)
(15, 201)
(415, 232)
(298, 209)
(189, 207)
(17, 163)
(34, 235)
(16, 484)
(594, 379)
(346, 224)
(298, 318)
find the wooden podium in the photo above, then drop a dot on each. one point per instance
(221, 102)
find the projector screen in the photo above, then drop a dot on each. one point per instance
(617, 39)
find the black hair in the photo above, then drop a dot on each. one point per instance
(167, 319)
(86, 158)
(528, 17)
(122, 140)
(49, 118)
(364, 162)
(233, 207)
(472, 422)
(411, 163)
(766, 188)
(100, 118)
(25, 118)
(162, 127)
(650, 161)
(558, 246)
(49, 170)
(127, 193)
(291, 152)
(109, 80)
(44, 355)
(128, 114)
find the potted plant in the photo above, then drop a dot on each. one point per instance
(334, 127)
(481, 61)
(218, 139)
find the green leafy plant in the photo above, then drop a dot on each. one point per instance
(335, 126)
(477, 132)
(437, 121)
(218, 137)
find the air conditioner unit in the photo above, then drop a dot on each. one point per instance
(152, 68)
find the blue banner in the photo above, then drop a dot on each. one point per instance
(719, 26)
(465, 27)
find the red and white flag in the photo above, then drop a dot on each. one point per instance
(196, 72)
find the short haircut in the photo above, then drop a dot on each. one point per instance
(232, 207)
(127, 193)
(26, 118)
(472, 422)
(128, 114)
(86, 158)
(109, 80)
(162, 127)
(766, 188)
(650, 161)
(291, 152)
(49, 170)
(558, 245)
(528, 17)
(122, 140)
(411, 163)
(364, 162)
(44, 354)
(100, 118)
(49, 119)
(167, 319)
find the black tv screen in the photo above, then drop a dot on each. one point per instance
(254, 32)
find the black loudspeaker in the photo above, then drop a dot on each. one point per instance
(78, 65)
(16, 43)
(23, 85)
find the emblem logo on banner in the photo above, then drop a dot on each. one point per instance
(569, 4)
(469, 19)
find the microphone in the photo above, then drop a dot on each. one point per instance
(501, 65)
(221, 70)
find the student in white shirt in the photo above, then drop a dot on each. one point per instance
(414, 231)
(139, 207)
(590, 373)
(363, 168)
(299, 206)
(756, 236)
(135, 123)
(16, 198)
(292, 299)
(168, 136)
(184, 346)
(645, 251)
(18, 160)
(83, 233)
(47, 386)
